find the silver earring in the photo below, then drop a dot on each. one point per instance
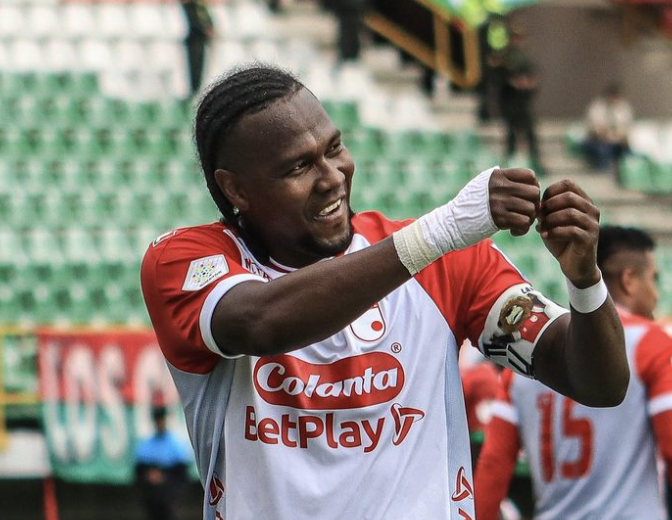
(236, 211)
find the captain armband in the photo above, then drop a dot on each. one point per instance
(514, 325)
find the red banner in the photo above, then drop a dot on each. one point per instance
(98, 389)
(103, 366)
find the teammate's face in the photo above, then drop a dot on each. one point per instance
(645, 288)
(288, 172)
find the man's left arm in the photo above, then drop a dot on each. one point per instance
(581, 354)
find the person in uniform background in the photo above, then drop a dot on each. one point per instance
(200, 30)
(518, 87)
(586, 462)
(161, 464)
(608, 121)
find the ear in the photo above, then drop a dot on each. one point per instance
(627, 281)
(232, 188)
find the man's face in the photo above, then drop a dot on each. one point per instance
(293, 177)
(645, 288)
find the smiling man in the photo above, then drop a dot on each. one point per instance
(315, 350)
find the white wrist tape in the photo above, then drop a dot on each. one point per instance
(462, 222)
(587, 300)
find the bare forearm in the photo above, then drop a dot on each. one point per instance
(585, 358)
(307, 305)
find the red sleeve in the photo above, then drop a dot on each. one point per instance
(465, 284)
(662, 429)
(497, 460)
(653, 360)
(480, 384)
(179, 272)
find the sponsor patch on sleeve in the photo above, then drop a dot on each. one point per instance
(514, 325)
(205, 271)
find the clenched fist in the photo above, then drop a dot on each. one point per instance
(514, 199)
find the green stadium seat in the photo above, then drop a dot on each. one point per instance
(661, 178)
(635, 172)
(344, 114)
(363, 143)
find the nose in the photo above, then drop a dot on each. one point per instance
(330, 176)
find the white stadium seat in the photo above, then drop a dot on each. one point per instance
(26, 55)
(43, 20)
(78, 19)
(12, 20)
(112, 20)
(146, 20)
(95, 54)
(60, 55)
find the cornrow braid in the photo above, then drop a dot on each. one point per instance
(243, 91)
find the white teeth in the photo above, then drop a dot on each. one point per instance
(330, 208)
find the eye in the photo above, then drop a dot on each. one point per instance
(335, 148)
(299, 167)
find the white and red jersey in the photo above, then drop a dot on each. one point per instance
(367, 424)
(586, 463)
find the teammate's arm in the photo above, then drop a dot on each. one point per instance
(583, 355)
(317, 301)
(496, 464)
(653, 363)
(662, 429)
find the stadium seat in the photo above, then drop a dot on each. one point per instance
(94, 54)
(13, 20)
(146, 20)
(78, 19)
(112, 21)
(635, 172)
(59, 55)
(42, 20)
(25, 55)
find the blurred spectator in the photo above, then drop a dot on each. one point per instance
(274, 5)
(161, 469)
(518, 87)
(349, 14)
(200, 30)
(492, 40)
(608, 121)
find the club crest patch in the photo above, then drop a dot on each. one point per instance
(370, 326)
(205, 271)
(514, 325)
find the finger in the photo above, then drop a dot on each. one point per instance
(521, 175)
(569, 200)
(510, 180)
(570, 234)
(506, 211)
(506, 189)
(564, 186)
(568, 217)
(515, 222)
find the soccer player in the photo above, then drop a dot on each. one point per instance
(589, 463)
(315, 350)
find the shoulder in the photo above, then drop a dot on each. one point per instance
(192, 242)
(647, 327)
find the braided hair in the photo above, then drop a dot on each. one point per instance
(243, 91)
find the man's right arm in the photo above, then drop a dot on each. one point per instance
(317, 301)
(307, 305)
